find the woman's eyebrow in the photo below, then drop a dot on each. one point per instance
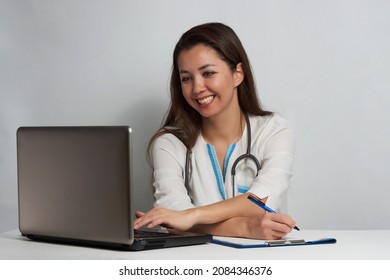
(200, 68)
(205, 66)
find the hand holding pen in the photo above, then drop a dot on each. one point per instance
(258, 202)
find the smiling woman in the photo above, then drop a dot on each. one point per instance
(215, 123)
(208, 84)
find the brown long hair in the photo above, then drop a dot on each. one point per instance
(182, 120)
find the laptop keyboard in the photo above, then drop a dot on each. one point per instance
(150, 234)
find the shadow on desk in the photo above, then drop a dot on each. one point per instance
(351, 245)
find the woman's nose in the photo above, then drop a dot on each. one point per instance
(199, 85)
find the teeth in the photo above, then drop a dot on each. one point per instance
(206, 100)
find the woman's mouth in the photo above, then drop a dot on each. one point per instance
(206, 100)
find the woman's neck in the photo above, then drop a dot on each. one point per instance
(227, 128)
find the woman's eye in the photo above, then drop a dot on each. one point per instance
(208, 74)
(185, 79)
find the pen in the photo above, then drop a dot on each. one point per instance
(258, 202)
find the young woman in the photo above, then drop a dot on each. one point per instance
(218, 145)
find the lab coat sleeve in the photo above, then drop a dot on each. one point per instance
(276, 170)
(168, 158)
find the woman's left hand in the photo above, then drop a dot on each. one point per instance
(180, 220)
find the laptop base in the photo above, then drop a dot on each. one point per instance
(139, 244)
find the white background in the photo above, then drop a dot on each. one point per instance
(324, 65)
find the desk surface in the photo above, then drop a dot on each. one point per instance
(351, 245)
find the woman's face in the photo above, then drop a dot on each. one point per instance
(208, 84)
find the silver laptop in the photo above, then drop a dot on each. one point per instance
(75, 186)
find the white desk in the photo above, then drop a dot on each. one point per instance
(351, 245)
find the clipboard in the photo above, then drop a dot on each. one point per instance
(242, 243)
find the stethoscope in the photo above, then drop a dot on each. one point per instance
(247, 155)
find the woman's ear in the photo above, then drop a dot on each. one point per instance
(238, 75)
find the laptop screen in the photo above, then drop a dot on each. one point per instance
(75, 182)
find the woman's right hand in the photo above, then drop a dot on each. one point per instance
(180, 220)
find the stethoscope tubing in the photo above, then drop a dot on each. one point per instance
(247, 155)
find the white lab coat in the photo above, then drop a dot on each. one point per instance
(272, 144)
